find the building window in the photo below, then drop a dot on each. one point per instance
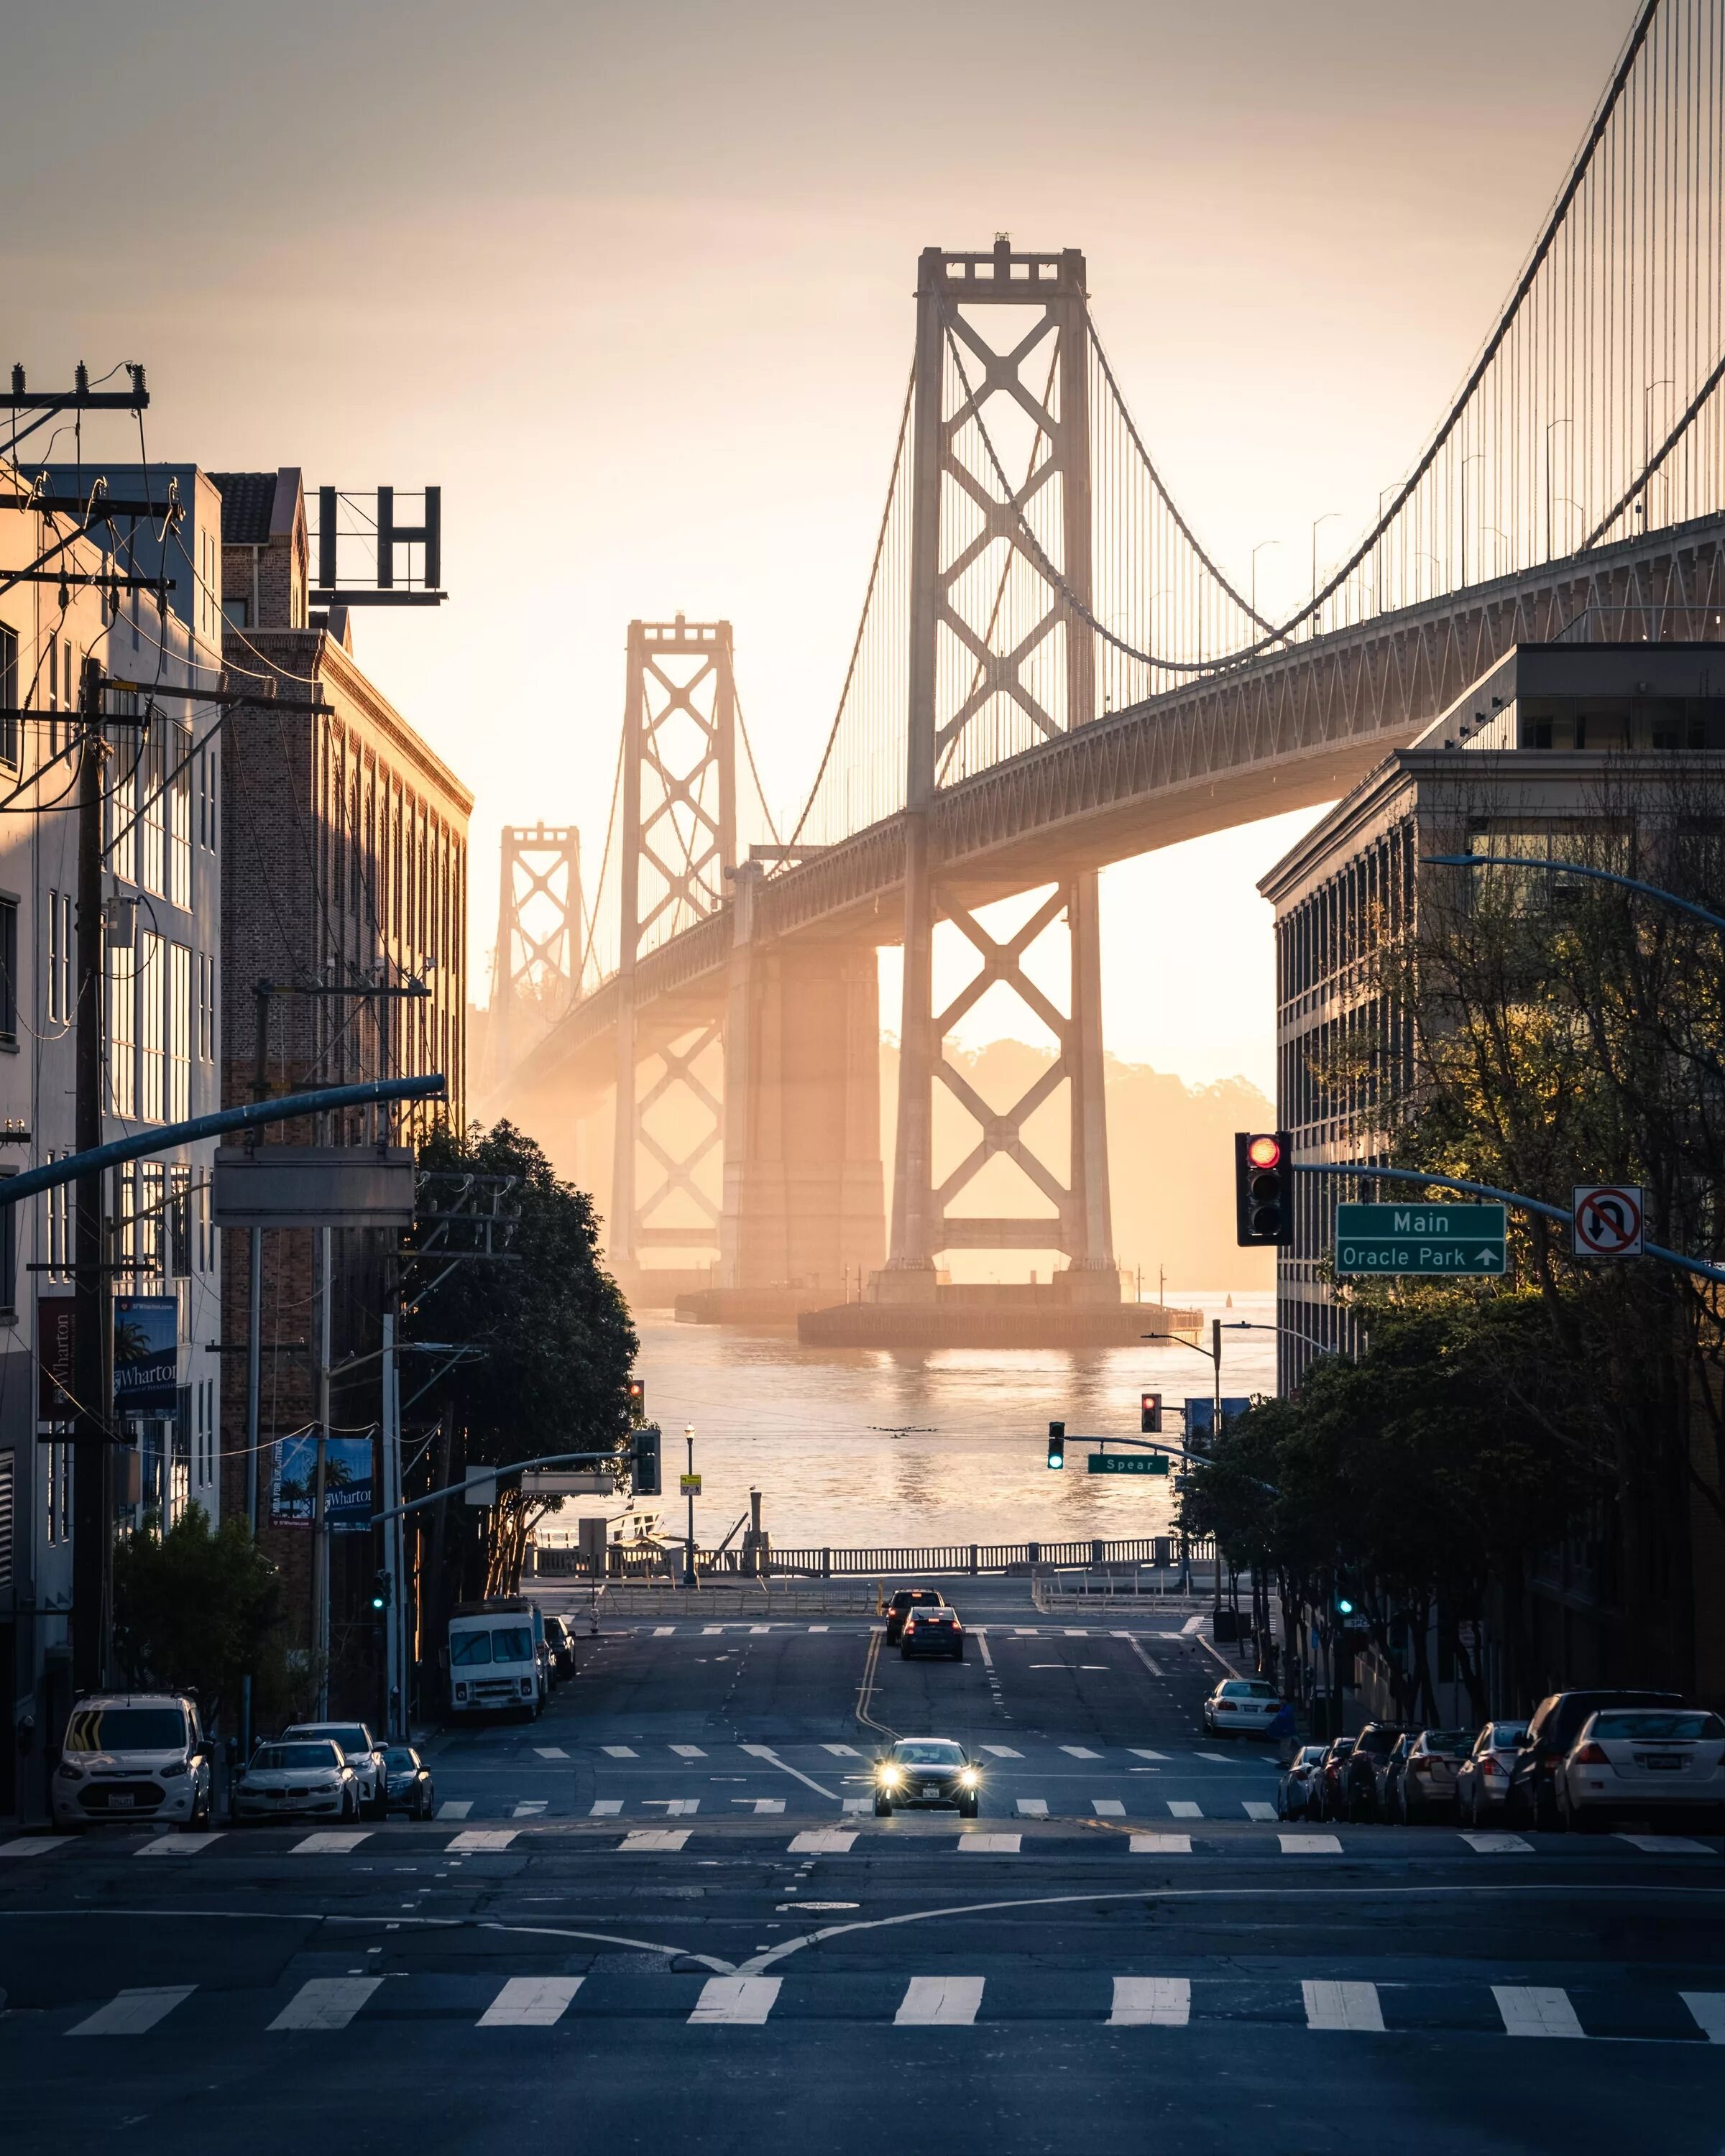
(9, 692)
(8, 972)
(152, 826)
(237, 613)
(152, 997)
(150, 1214)
(59, 958)
(6, 1504)
(122, 1024)
(206, 1228)
(179, 1033)
(206, 1006)
(179, 821)
(59, 1492)
(57, 1223)
(179, 1222)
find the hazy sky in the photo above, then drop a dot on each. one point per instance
(634, 283)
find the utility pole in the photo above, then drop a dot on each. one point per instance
(92, 1445)
(320, 1488)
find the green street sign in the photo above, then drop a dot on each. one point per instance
(1128, 1463)
(1419, 1239)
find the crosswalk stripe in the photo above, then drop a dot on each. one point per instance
(842, 1751)
(760, 1628)
(1162, 1844)
(1183, 1808)
(990, 1844)
(1081, 1751)
(650, 1838)
(746, 1998)
(688, 1752)
(133, 2012)
(1310, 1844)
(764, 1807)
(1193, 1623)
(329, 1845)
(531, 1808)
(551, 1751)
(1497, 1845)
(820, 1627)
(1330, 2005)
(939, 2002)
(664, 1631)
(483, 1837)
(605, 1808)
(455, 1808)
(1002, 1751)
(1536, 2009)
(1138, 1752)
(858, 1803)
(620, 1752)
(821, 1841)
(1076, 1632)
(1033, 1807)
(177, 1844)
(1027, 1632)
(1708, 2010)
(711, 1631)
(1150, 2002)
(1218, 1758)
(326, 2002)
(531, 2002)
(30, 1845)
(1662, 1844)
(1259, 1811)
(1107, 1807)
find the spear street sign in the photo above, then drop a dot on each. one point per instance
(1128, 1463)
(1419, 1239)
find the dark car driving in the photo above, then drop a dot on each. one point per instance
(921, 1771)
(1531, 1800)
(932, 1632)
(907, 1599)
(560, 1642)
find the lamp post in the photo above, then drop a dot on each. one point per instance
(1214, 1354)
(1648, 388)
(1329, 516)
(1257, 550)
(689, 1579)
(1549, 498)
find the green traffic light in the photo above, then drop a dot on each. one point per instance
(1344, 1605)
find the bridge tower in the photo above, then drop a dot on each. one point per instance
(999, 652)
(678, 845)
(536, 976)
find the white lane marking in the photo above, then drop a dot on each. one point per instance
(1259, 1811)
(1183, 1808)
(551, 1751)
(1107, 1807)
(983, 1648)
(939, 2002)
(858, 1804)
(455, 1808)
(606, 1808)
(764, 1807)
(326, 2002)
(820, 1627)
(1662, 1845)
(842, 1751)
(990, 1844)
(664, 1631)
(1497, 1845)
(1027, 1632)
(674, 1807)
(760, 1628)
(820, 1842)
(657, 1837)
(1002, 1751)
(1707, 2009)
(1192, 1624)
(711, 1631)
(1536, 2009)
(329, 1844)
(1138, 1752)
(620, 1752)
(1161, 1845)
(737, 1998)
(1081, 1751)
(1033, 1807)
(688, 1752)
(1310, 1844)
(483, 1837)
(531, 2002)
(1076, 1632)
(177, 1844)
(30, 1845)
(1221, 1758)
(1150, 2002)
(767, 1753)
(531, 1808)
(1343, 2006)
(132, 2012)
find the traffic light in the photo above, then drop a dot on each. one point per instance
(644, 1470)
(637, 1399)
(1150, 1414)
(382, 1591)
(1057, 1444)
(1263, 1188)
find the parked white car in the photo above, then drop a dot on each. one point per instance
(363, 1752)
(130, 1756)
(1641, 1762)
(1241, 1706)
(1482, 1780)
(302, 1779)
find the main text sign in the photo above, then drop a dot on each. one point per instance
(1419, 1239)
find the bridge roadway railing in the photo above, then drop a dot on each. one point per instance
(970, 1560)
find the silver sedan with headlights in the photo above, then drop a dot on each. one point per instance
(925, 1772)
(296, 1778)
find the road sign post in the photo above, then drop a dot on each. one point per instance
(1421, 1238)
(1609, 1220)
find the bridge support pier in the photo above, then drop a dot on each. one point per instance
(804, 1209)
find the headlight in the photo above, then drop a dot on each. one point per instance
(889, 1773)
(71, 1773)
(179, 1767)
(968, 1778)
(461, 1691)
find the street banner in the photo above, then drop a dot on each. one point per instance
(146, 1355)
(55, 1357)
(346, 1483)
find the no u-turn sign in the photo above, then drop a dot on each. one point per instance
(1607, 1221)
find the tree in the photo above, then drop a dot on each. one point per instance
(553, 1332)
(200, 1608)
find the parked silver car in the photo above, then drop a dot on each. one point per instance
(295, 1779)
(1297, 1793)
(363, 1752)
(1482, 1779)
(1660, 1764)
(1427, 1787)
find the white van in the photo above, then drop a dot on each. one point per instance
(497, 1658)
(137, 1755)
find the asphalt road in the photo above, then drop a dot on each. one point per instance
(665, 1916)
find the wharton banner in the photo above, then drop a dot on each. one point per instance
(346, 1483)
(146, 1355)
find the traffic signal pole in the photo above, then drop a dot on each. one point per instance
(92, 1438)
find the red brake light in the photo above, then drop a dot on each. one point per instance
(1263, 1152)
(1488, 1765)
(1590, 1755)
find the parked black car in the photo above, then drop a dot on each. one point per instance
(1297, 1794)
(1358, 1779)
(1388, 1768)
(560, 1642)
(407, 1782)
(1326, 1802)
(1532, 1796)
(907, 1599)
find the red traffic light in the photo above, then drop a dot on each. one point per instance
(1149, 1413)
(1264, 1151)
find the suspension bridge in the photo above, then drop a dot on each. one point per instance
(1050, 673)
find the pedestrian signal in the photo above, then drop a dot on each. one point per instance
(645, 1468)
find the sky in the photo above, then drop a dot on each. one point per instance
(633, 283)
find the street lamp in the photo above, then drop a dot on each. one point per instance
(1257, 550)
(1550, 424)
(689, 1579)
(1476, 457)
(1328, 517)
(1648, 388)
